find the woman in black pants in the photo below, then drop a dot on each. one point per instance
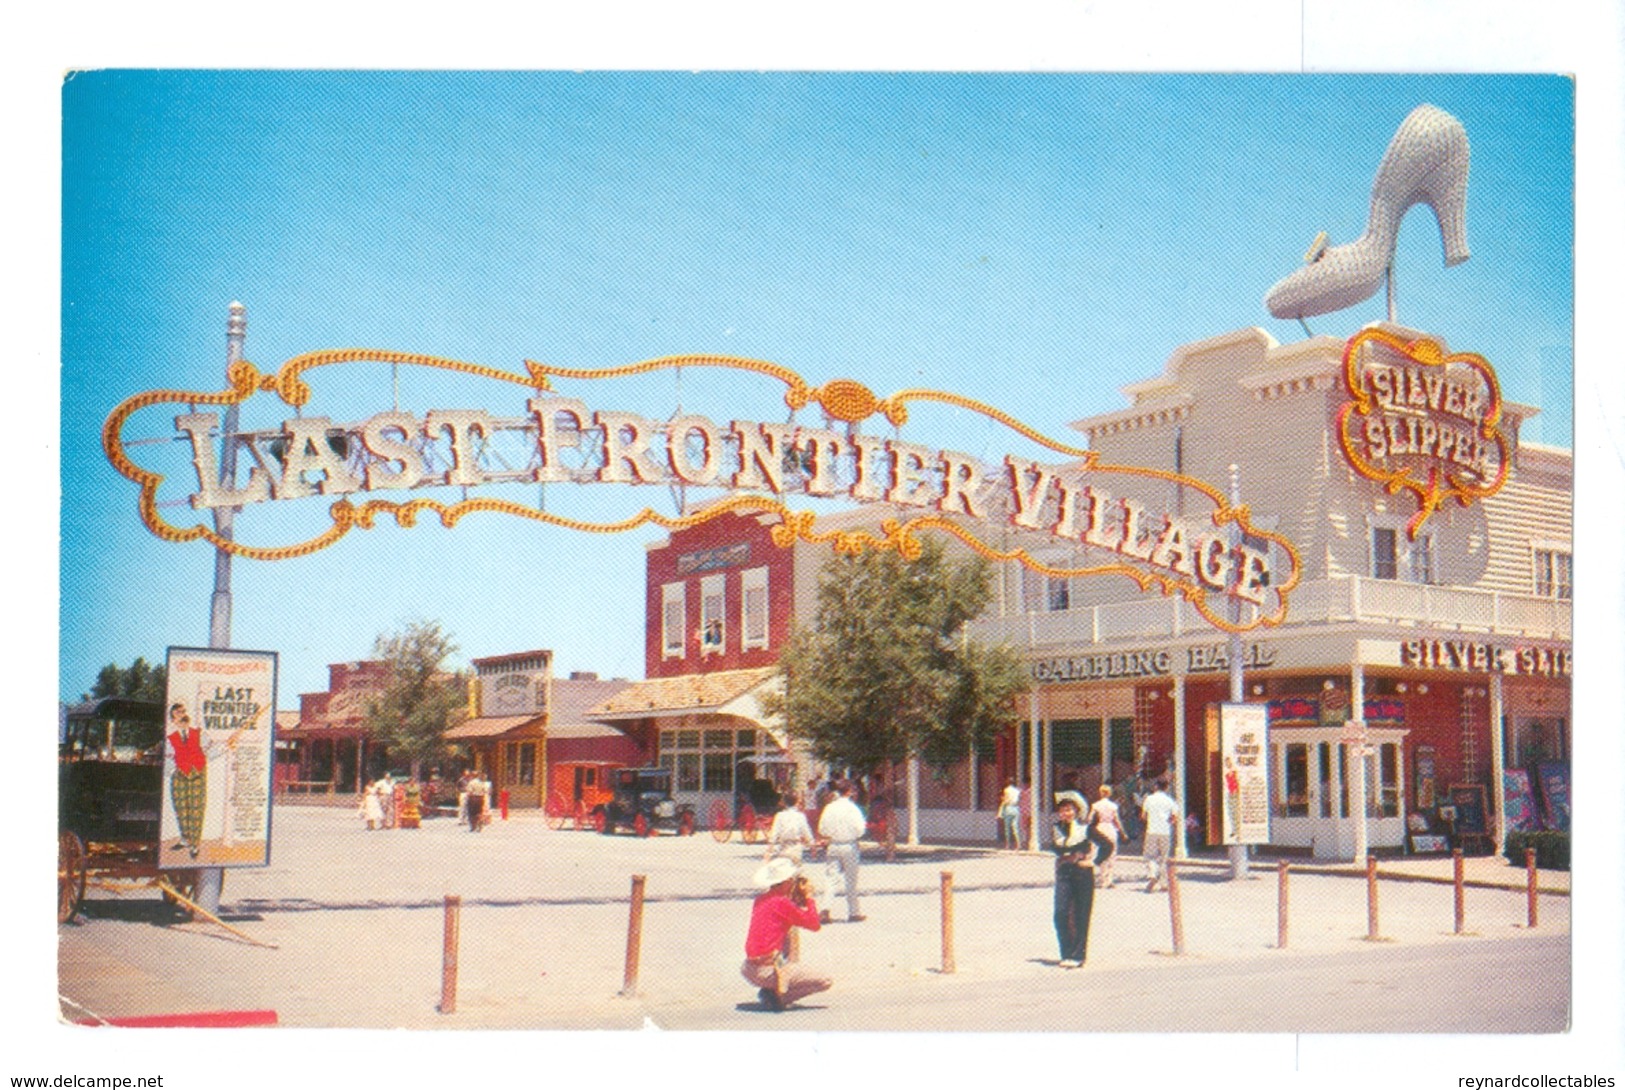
(1074, 878)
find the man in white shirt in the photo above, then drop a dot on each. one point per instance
(841, 826)
(1010, 816)
(1160, 812)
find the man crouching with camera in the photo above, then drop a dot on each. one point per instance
(786, 902)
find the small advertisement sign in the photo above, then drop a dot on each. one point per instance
(219, 726)
(1244, 773)
(1520, 801)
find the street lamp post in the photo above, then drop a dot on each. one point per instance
(1238, 689)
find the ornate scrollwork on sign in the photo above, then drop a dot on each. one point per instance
(1422, 421)
(1222, 557)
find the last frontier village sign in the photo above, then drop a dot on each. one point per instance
(1097, 510)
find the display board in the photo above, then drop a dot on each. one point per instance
(1554, 793)
(1522, 816)
(219, 732)
(1468, 801)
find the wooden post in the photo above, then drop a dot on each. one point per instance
(1461, 891)
(448, 956)
(1534, 902)
(1281, 905)
(634, 938)
(947, 921)
(1371, 933)
(1174, 913)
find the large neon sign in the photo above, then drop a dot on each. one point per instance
(1423, 421)
(1099, 509)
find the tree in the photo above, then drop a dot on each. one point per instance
(886, 670)
(419, 699)
(139, 680)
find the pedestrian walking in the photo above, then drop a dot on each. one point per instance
(1074, 879)
(478, 791)
(1010, 816)
(841, 826)
(1106, 828)
(790, 834)
(462, 795)
(386, 800)
(786, 901)
(372, 811)
(1161, 813)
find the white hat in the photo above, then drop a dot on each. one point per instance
(1074, 798)
(775, 870)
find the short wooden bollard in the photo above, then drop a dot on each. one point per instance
(1371, 897)
(1280, 905)
(1174, 914)
(1534, 891)
(947, 921)
(448, 956)
(1461, 890)
(634, 938)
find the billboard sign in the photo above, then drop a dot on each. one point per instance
(219, 727)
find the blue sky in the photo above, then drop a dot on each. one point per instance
(1033, 241)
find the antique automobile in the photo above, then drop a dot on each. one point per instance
(110, 774)
(641, 801)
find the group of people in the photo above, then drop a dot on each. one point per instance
(1084, 840)
(787, 898)
(473, 800)
(378, 803)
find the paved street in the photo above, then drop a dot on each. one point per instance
(356, 918)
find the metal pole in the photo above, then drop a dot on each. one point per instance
(1461, 891)
(1238, 686)
(1175, 915)
(211, 879)
(947, 921)
(1362, 832)
(1281, 905)
(1371, 933)
(1498, 796)
(1034, 788)
(1534, 901)
(1181, 846)
(634, 938)
(448, 955)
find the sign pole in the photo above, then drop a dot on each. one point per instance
(210, 879)
(1238, 687)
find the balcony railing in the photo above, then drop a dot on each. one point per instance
(1332, 601)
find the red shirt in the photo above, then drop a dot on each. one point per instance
(771, 918)
(188, 751)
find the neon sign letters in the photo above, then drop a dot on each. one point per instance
(1096, 510)
(1422, 421)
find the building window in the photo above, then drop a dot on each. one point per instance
(1296, 803)
(1554, 574)
(1384, 553)
(527, 765)
(673, 620)
(1041, 593)
(753, 621)
(1388, 769)
(1393, 556)
(712, 596)
(688, 772)
(719, 772)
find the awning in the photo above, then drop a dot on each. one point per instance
(493, 726)
(734, 693)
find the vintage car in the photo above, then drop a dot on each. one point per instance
(641, 801)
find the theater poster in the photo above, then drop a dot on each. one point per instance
(219, 721)
(1244, 773)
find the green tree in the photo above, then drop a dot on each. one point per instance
(139, 680)
(419, 699)
(886, 670)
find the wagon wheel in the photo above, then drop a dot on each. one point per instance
(184, 883)
(748, 828)
(556, 811)
(600, 822)
(721, 822)
(641, 826)
(685, 823)
(70, 875)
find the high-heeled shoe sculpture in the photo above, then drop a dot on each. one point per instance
(1426, 163)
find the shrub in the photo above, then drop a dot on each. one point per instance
(1551, 848)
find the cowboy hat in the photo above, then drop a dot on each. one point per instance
(775, 870)
(1074, 798)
